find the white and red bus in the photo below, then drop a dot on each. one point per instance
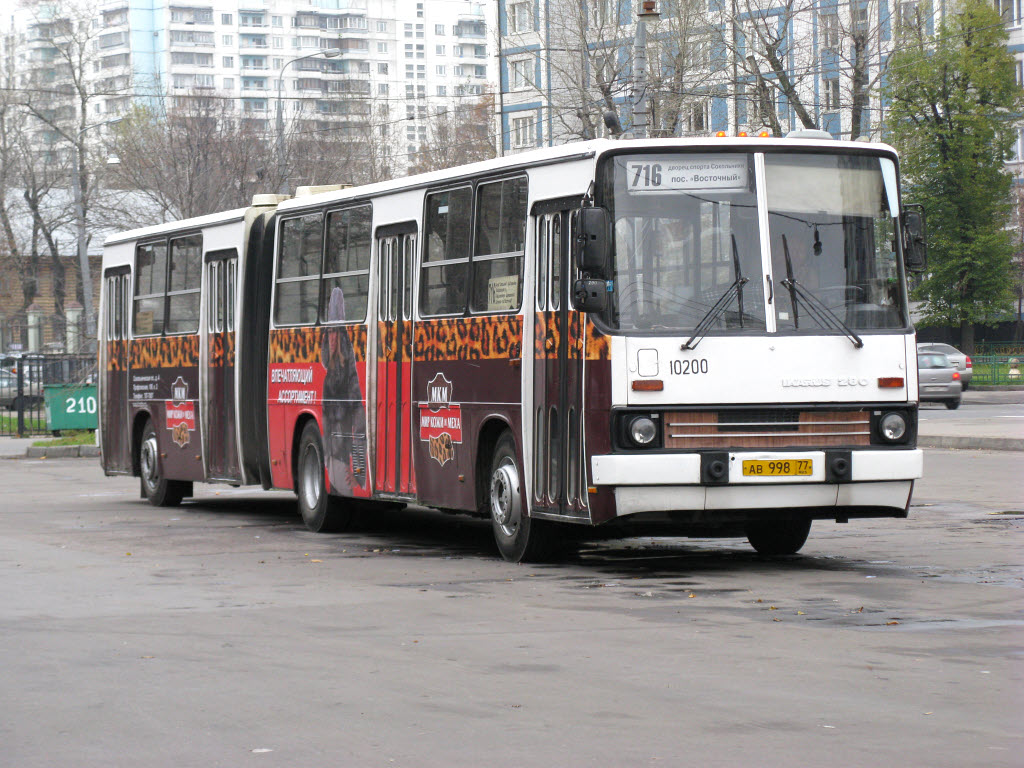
(706, 337)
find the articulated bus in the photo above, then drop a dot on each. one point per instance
(694, 337)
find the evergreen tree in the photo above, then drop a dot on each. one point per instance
(954, 102)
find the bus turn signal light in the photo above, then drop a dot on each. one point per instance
(891, 382)
(648, 385)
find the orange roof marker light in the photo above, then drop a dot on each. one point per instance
(720, 134)
(742, 134)
(764, 135)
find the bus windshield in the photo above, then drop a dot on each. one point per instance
(688, 253)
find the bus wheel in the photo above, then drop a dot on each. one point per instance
(320, 512)
(520, 538)
(778, 537)
(160, 491)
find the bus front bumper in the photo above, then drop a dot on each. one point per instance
(673, 482)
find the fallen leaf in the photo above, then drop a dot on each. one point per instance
(691, 595)
(800, 613)
(316, 561)
(891, 623)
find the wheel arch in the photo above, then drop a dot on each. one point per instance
(138, 427)
(293, 455)
(490, 432)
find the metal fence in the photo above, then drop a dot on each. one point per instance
(1004, 348)
(997, 369)
(23, 379)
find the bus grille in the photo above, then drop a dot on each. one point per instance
(766, 428)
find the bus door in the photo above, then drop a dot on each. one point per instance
(116, 430)
(221, 444)
(394, 434)
(557, 373)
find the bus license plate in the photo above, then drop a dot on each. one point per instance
(778, 467)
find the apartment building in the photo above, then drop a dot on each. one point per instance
(713, 65)
(394, 63)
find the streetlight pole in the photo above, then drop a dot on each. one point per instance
(80, 233)
(328, 53)
(641, 102)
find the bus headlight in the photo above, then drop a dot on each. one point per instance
(643, 430)
(892, 427)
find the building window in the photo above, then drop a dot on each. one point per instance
(522, 74)
(382, 89)
(408, 30)
(228, 62)
(382, 47)
(226, 18)
(382, 26)
(382, 69)
(439, 50)
(520, 18)
(523, 132)
(832, 93)
(440, 70)
(442, 90)
(439, 30)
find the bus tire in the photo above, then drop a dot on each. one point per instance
(158, 490)
(778, 537)
(320, 512)
(520, 538)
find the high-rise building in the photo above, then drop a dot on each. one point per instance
(392, 65)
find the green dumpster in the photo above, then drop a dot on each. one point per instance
(70, 406)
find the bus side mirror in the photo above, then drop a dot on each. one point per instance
(915, 248)
(593, 239)
(590, 295)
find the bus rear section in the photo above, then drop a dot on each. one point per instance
(174, 301)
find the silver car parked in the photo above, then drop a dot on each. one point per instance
(956, 357)
(938, 380)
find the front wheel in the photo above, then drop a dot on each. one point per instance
(158, 490)
(778, 537)
(520, 538)
(320, 512)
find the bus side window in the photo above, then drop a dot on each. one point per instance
(150, 286)
(347, 265)
(542, 263)
(297, 289)
(498, 256)
(183, 289)
(445, 268)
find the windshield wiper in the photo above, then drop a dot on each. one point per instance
(815, 307)
(723, 301)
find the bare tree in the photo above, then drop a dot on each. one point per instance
(814, 59)
(456, 135)
(195, 158)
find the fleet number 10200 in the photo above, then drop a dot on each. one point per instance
(688, 367)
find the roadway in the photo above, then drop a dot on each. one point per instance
(223, 633)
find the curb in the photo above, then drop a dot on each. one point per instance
(972, 443)
(62, 451)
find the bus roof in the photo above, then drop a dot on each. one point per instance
(574, 151)
(197, 222)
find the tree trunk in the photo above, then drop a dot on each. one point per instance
(967, 337)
